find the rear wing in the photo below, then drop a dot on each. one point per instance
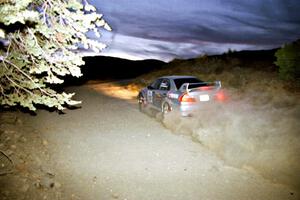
(188, 87)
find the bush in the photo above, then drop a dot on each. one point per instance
(288, 61)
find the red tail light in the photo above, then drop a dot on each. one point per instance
(220, 96)
(187, 98)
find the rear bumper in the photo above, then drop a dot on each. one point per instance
(189, 110)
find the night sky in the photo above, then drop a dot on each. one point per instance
(167, 29)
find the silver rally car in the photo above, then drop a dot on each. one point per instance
(183, 93)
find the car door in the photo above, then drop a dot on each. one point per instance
(161, 93)
(152, 90)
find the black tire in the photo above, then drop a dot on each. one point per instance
(165, 109)
(142, 103)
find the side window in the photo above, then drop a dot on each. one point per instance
(165, 85)
(155, 85)
(183, 87)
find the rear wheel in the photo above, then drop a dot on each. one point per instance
(166, 108)
(142, 103)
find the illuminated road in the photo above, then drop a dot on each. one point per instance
(109, 150)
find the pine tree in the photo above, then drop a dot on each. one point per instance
(40, 39)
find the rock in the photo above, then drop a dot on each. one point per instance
(115, 196)
(24, 188)
(45, 142)
(17, 136)
(37, 184)
(95, 179)
(13, 146)
(38, 161)
(57, 185)
(7, 139)
(23, 139)
(9, 152)
(214, 168)
(47, 182)
(19, 121)
(22, 168)
(48, 171)
(73, 196)
(9, 132)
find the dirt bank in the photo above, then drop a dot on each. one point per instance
(257, 127)
(108, 150)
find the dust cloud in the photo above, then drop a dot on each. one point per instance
(255, 131)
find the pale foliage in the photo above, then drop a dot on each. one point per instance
(40, 40)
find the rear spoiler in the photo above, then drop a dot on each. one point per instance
(216, 85)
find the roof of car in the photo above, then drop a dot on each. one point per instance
(177, 77)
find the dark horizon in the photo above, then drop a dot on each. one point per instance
(105, 68)
(170, 29)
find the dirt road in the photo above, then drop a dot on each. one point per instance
(109, 150)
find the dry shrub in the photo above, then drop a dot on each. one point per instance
(257, 129)
(254, 130)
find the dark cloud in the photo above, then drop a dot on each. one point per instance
(192, 23)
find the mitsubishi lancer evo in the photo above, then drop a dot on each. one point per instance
(185, 94)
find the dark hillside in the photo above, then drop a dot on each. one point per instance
(233, 68)
(117, 68)
(262, 60)
(109, 68)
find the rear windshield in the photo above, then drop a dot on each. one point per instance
(178, 82)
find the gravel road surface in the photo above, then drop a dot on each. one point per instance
(107, 149)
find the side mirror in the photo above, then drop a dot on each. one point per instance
(218, 84)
